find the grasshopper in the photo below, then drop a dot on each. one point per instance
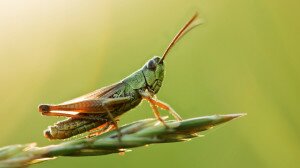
(101, 109)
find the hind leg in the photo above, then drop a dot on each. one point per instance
(101, 129)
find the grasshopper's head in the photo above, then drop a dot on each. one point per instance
(153, 72)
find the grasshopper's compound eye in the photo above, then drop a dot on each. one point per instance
(151, 65)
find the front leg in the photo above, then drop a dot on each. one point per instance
(149, 97)
(167, 107)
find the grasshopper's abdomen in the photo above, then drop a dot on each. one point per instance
(70, 127)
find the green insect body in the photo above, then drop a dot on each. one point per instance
(129, 87)
(105, 105)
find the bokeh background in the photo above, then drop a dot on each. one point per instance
(245, 58)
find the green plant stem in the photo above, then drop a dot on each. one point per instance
(139, 133)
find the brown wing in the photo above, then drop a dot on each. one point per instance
(99, 93)
(101, 105)
(98, 101)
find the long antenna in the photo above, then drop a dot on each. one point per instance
(193, 22)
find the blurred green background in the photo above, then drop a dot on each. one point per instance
(245, 58)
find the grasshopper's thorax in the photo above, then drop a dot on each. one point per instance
(150, 76)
